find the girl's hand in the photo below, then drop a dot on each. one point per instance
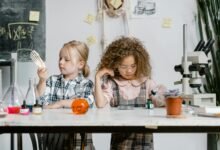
(103, 72)
(54, 105)
(42, 74)
(60, 104)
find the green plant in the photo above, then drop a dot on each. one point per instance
(209, 27)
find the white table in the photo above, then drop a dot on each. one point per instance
(107, 120)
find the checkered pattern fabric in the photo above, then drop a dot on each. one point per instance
(131, 141)
(59, 89)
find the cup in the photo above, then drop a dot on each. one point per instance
(174, 105)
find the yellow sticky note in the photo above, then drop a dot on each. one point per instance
(167, 23)
(89, 19)
(116, 3)
(34, 16)
(91, 40)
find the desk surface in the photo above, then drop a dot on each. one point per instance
(107, 120)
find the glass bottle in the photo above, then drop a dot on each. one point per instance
(37, 108)
(30, 95)
(149, 104)
(24, 109)
(2, 111)
(11, 99)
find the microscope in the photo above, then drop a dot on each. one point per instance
(193, 69)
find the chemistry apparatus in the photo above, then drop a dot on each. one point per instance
(193, 69)
(13, 96)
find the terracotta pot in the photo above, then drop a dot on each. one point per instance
(174, 105)
(80, 106)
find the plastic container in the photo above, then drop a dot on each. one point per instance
(174, 105)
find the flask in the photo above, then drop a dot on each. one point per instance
(37, 108)
(79, 105)
(11, 99)
(2, 111)
(24, 109)
(30, 95)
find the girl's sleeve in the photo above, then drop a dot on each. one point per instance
(158, 99)
(88, 92)
(45, 99)
(107, 91)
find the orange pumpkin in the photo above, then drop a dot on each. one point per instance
(80, 106)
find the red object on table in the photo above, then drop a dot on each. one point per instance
(80, 106)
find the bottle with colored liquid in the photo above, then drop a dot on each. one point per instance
(149, 104)
(30, 95)
(37, 109)
(24, 109)
(11, 99)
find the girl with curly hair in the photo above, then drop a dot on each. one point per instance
(124, 73)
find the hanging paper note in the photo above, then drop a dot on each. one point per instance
(116, 3)
(34, 16)
(89, 19)
(91, 40)
(167, 23)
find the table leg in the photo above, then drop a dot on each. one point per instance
(12, 141)
(83, 140)
(19, 141)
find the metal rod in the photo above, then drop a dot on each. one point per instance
(184, 42)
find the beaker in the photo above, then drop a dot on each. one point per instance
(12, 99)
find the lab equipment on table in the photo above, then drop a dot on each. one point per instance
(149, 104)
(174, 105)
(2, 112)
(37, 109)
(193, 69)
(30, 95)
(12, 99)
(24, 109)
(80, 106)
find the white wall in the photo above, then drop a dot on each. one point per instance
(64, 22)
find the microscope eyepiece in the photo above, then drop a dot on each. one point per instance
(178, 68)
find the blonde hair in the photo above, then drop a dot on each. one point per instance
(123, 47)
(82, 50)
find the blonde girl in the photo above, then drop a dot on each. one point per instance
(59, 91)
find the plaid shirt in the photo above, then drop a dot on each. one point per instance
(59, 89)
(130, 141)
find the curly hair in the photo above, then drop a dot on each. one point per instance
(123, 47)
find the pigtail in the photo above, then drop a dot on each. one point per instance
(86, 70)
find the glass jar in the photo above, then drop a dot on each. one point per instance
(80, 106)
